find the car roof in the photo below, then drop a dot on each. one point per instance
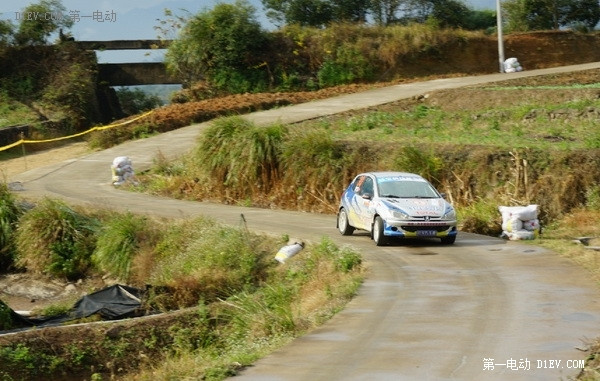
(392, 174)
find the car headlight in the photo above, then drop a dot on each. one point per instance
(450, 214)
(400, 215)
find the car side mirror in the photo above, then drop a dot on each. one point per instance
(367, 196)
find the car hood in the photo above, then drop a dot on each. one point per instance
(417, 207)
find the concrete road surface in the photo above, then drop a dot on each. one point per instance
(482, 309)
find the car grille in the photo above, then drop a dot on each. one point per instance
(425, 218)
(413, 228)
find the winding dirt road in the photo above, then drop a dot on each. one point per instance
(482, 309)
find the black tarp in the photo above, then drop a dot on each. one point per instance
(111, 303)
(115, 302)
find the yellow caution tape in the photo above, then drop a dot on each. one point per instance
(97, 128)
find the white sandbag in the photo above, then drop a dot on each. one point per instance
(288, 251)
(121, 161)
(512, 65)
(520, 222)
(521, 235)
(122, 170)
(531, 225)
(512, 225)
(507, 212)
(529, 212)
(523, 213)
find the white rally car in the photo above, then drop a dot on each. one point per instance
(395, 204)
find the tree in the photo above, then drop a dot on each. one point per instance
(39, 21)
(449, 13)
(6, 32)
(315, 13)
(319, 13)
(524, 15)
(224, 46)
(134, 101)
(385, 12)
(480, 20)
(543, 14)
(350, 10)
(446, 13)
(514, 16)
(586, 12)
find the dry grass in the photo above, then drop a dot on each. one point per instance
(562, 237)
(592, 370)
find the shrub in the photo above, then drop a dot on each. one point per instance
(118, 242)
(317, 147)
(592, 196)
(241, 156)
(413, 159)
(55, 239)
(9, 215)
(200, 259)
(348, 66)
(135, 101)
(71, 94)
(481, 217)
(6, 322)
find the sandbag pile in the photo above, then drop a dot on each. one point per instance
(511, 65)
(520, 222)
(122, 170)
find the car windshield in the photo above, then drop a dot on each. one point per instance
(406, 189)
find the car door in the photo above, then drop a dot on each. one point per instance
(361, 215)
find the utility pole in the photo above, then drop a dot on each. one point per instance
(500, 38)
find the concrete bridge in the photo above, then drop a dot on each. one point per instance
(129, 74)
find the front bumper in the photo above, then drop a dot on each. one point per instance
(424, 229)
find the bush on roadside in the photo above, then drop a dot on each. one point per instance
(9, 216)
(481, 217)
(241, 156)
(55, 239)
(119, 239)
(202, 260)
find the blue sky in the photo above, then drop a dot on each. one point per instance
(135, 19)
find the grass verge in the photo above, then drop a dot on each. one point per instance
(234, 301)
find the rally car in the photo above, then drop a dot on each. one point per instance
(395, 204)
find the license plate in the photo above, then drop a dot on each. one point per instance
(426, 233)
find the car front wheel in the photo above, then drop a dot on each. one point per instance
(378, 237)
(343, 225)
